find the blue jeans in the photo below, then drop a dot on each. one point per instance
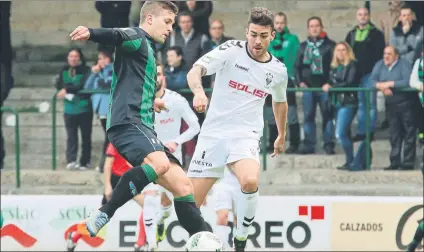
(345, 115)
(310, 101)
(358, 162)
(365, 82)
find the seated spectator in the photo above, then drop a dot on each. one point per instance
(389, 75)
(175, 72)
(200, 11)
(344, 74)
(406, 35)
(101, 79)
(217, 37)
(77, 109)
(312, 69)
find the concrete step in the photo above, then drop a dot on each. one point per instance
(35, 81)
(45, 120)
(39, 67)
(91, 182)
(53, 53)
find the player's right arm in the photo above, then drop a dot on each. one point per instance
(210, 63)
(107, 36)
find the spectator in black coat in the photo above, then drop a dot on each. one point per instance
(200, 11)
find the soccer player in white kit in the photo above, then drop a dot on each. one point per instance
(245, 75)
(167, 126)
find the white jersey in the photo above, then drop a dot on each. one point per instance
(241, 86)
(168, 123)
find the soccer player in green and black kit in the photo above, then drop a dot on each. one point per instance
(131, 117)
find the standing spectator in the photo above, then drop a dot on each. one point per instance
(101, 79)
(416, 81)
(406, 35)
(389, 75)
(312, 69)
(77, 109)
(175, 72)
(344, 74)
(200, 11)
(284, 48)
(390, 19)
(114, 14)
(6, 79)
(190, 40)
(368, 45)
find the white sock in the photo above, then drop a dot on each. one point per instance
(164, 213)
(150, 220)
(223, 232)
(246, 210)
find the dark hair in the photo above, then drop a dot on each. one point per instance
(79, 51)
(154, 7)
(314, 18)
(177, 49)
(186, 14)
(281, 14)
(261, 16)
(107, 53)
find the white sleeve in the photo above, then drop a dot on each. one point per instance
(191, 119)
(279, 89)
(414, 81)
(215, 60)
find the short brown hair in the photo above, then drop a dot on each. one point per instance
(261, 16)
(314, 18)
(154, 7)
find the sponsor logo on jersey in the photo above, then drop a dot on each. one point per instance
(247, 89)
(166, 121)
(242, 67)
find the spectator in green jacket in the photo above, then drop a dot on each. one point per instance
(77, 108)
(284, 47)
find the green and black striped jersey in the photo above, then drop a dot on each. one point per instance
(134, 78)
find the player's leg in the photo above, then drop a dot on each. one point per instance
(141, 233)
(149, 214)
(189, 216)
(418, 237)
(244, 162)
(222, 207)
(138, 145)
(164, 212)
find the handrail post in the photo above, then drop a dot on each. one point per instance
(264, 145)
(54, 101)
(367, 129)
(17, 150)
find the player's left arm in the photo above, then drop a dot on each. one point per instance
(192, 121)
(280, 107)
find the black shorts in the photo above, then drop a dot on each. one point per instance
(114, 179)
(135, 141)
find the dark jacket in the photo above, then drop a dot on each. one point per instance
(345, 77)
(6, 79)
(114, 13)
(368, 51)
(407, 42)
(200, 14)
(303, 72)
(176, 78)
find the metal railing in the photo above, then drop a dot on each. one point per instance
(367, 92)
(16, 112)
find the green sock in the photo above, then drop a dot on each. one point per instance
(151, 174)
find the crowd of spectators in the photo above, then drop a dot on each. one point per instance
(386, 55)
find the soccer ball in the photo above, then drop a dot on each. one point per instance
(204, 241)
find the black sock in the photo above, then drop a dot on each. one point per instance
(189, 215)
(129, 185)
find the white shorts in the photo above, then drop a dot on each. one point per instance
(159, 189)
(226, 196)
(212, 154)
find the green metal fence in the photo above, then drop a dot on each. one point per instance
(16, 112)
(367, 92)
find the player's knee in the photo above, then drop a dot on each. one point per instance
(222, 218)
(249, 184)
(161, 167)
(164, 200)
